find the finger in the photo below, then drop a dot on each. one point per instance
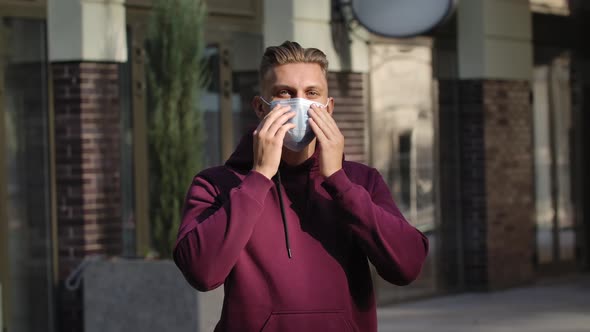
(321, 121)
(270, 118)
(277, 111)
(329, 121)
(279, 122)
(319, 133)
(282, 131)
(321, 114)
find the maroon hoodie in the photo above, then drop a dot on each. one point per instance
(236, 231)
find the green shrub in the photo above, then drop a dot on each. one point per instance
(176, 76)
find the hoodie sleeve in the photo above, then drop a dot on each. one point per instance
(396, 248)
(215, 230)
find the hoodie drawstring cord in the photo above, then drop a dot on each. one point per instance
(282, 205)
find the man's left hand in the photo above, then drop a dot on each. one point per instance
(330, 138)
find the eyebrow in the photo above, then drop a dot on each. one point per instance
(281, 87)
(288, 87)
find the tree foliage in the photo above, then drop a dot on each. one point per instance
(176, 74)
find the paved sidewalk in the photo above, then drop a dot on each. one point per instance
(551, 306)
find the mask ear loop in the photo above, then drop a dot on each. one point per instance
(322, 105)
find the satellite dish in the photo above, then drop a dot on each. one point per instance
(401, 18)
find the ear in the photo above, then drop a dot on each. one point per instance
(330, 107)
(258, 106)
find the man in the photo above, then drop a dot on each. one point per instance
(287, 224)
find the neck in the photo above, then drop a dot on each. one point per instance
(293, 158)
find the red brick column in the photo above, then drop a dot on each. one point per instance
(486, 136)
(509, 182)
(87, 136)
(350, 112)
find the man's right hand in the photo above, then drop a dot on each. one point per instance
(268, 140)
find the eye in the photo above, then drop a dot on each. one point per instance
(284, 93)
(313, 93)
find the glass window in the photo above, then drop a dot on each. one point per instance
(224, 106)
(249, 48)
(245, 87)
(211, 110)
(552, 123)
(26, 170)
(127, 164)
(402, 145)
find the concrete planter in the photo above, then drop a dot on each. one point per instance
(140, 295)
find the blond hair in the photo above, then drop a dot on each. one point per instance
(291, 52)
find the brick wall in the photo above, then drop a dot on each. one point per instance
(450, 254)
(463, 194)
(509, 174)
(473, 193)
(87, 140)
(348, 90)
(487, 193)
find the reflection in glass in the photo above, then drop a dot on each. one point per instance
(211, 108)
(552, 123)
(542, 167)
(561, 92)
(245, 87)
(26, 148)
(402, 146)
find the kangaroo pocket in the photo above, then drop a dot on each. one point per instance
(291, 321)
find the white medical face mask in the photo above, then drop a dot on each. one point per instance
(299, 137)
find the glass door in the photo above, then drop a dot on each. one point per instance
(25, 208)
(555, 227)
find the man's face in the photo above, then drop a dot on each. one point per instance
(294, 80)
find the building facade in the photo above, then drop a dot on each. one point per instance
(477, 127)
